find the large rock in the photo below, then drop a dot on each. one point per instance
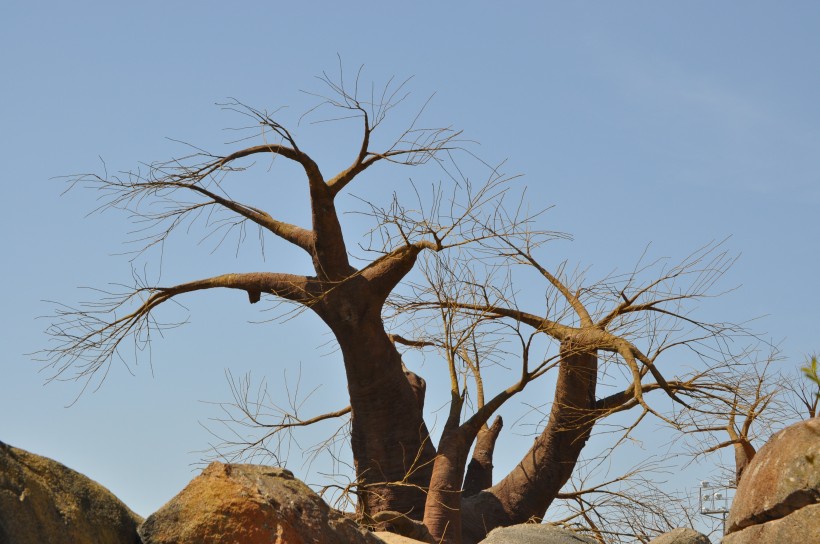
(250, 504)
(780, 490)
(44, 501)
(801, 526)
(683, 535)
(531, 533)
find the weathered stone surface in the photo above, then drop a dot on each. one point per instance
(393, 538)
(531, 533)
(682, 535)
(44, 501)
(801, 527)
(783, 477)
(250, 504)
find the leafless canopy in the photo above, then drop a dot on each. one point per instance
(461, 270)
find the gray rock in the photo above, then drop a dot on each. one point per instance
(782, 479)
(43, 501)
(531, 533)
(683, 535)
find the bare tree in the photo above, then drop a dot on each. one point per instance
(619, 326)
(630, 507)
(747, 397)
(606, 340)
(756, 398)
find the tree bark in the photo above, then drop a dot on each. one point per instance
(526, 493)
(442, 512)
(392, 452)
(480, 470)
(744, 452)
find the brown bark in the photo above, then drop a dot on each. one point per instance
(480, 470)
(530, 488)
(418, 385)
(442, 512)
(391, 447)
(744, 452)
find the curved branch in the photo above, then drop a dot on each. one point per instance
(571, 298)
(552, 328)
(329, 249)
(89, 339)
(312, 171)
(297, 236)
(422, 145)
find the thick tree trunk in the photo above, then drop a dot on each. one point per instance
(528, 490)
(392, 451)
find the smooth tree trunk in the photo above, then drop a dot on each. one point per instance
(526, 493)
(744, 452)
(480, 470)
(442, 512)
(391, 447)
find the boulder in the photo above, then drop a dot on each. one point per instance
(682, 535)
(801, 526)
(44, 501)
(780, 483)
(250, 504)
(531, 533)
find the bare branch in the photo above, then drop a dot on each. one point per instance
(90, 338)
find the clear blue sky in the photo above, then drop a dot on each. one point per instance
(670, 123)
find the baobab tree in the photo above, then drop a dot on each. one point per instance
(616, 326)
(749, 406)
(605, 339)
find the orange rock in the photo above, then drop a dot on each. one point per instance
(249, 504)
(781, 487)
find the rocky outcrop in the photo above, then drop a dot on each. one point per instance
(778, 498)
(44, 501)
(531, 533)
(683, 535)
(250, 504)
(801, 526)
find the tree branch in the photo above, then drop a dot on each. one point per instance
(91, 338)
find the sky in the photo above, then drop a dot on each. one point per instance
(641, 123)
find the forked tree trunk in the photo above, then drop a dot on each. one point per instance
(392, 452)
(442, 512)
(526, 493)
